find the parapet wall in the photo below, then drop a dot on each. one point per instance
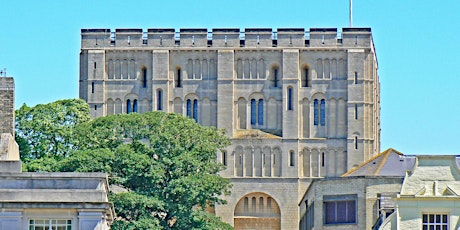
(226, 37)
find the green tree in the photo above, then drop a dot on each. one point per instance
(48, 129)
(166, 164)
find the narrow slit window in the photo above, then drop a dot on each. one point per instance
(315, 111)
(322, 159)
(356, 77)
(356, 111)
(179, 79)
(224, 158)
(275, 77)
(95, 107)
(290, 100)
(160, 100)
(94, 65)
(356, 142)
(92, 87)
(291, 158)
(144, 77)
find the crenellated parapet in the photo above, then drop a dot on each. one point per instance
(226, 37)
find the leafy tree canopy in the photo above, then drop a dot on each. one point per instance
(48, 129)
(166, 164)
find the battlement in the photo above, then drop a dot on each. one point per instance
(225, 37)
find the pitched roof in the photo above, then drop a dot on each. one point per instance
(433, 176)
(388, 163)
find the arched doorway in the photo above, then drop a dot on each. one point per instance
(257, 211)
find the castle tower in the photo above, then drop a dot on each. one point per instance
(9, 149)
(7, 105)
(297, 104)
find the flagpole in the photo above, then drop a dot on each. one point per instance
(351, 13)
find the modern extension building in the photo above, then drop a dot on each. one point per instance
(296, 104)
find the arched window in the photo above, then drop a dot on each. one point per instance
(160, 100)
(192, 109)
(322, 159)
(144, 77)
(128, 106)
(260, 111)
(253, 112)
(135, 106)
(189, 108)
(319, 109)
(306, 80)
(195, 110)
(257, 112)
(315, 111)
(323, 112)
(178, 78)
(290, 105)
(275, 77)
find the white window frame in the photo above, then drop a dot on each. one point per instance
(50, 224)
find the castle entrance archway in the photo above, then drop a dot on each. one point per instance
(257, 211)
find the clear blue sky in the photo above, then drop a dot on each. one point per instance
(417, 42)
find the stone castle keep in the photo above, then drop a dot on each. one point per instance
(296, 104)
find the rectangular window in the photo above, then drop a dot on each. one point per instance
(435, 221)
(45, 224)
(94, 65)
(340, 209)
(356, 77)
(291, 158)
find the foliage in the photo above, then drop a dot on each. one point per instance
(48, 129)
(166, 163)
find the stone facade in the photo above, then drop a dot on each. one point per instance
(297, 104)
(7, 109)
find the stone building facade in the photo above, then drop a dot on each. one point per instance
(7, 109)
(34, 200)
(297, 104)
